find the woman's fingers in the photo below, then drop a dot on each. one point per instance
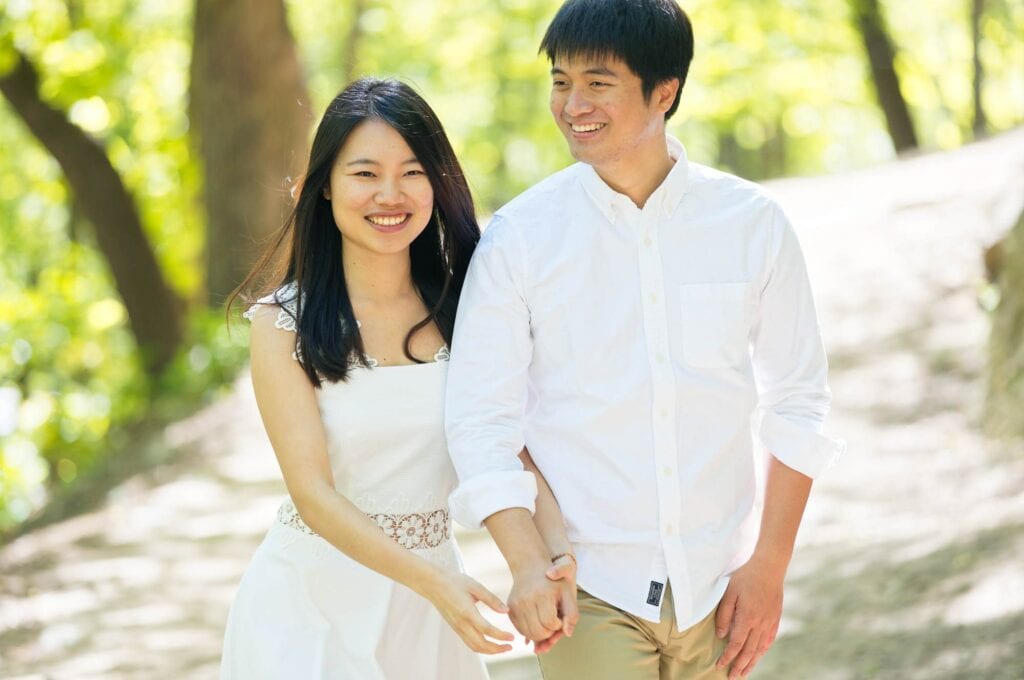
(490, 630)
(481, 594)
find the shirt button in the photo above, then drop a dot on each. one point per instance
(663, 413)
(648, 241)
(654, 298)
(660, 358)
(667, 471)
(669, 529)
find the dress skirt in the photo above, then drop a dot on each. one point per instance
(306, 611)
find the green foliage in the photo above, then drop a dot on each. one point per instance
(68, 364)
(778, 87)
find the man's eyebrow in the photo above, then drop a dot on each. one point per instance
(594, 71)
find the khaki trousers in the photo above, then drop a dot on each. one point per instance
(609, 644)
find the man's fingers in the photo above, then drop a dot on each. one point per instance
(488, 598)
(745, 657)
(547, 614)
(533, 628)
(570, 611)
(723, 619)
(737, 639)
(765, 643)
(544, 646)
(753, 662)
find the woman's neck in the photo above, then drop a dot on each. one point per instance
(378, 278)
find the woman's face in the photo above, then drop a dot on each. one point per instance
(380, 195)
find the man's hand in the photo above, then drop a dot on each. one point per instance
(749, 614)
(534, 606)
(562, 571)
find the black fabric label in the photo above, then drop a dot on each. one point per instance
(654, 593)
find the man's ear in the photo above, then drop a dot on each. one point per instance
(665, 93)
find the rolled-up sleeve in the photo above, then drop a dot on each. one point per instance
(488, 382)
(790, 366)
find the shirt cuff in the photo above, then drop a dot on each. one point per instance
(478, 498)
(799, 447)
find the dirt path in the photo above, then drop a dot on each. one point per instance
(910, 558)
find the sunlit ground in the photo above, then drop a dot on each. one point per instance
(909, 564)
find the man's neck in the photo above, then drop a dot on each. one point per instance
(639, 174)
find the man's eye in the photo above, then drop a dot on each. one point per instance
(598, 83)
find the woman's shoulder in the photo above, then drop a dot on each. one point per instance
(285, 300)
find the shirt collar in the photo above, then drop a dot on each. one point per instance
(662, 202)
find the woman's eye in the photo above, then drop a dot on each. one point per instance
(363, 173)
(416, 173)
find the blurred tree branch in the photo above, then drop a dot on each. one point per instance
(980, 124)
(882, 58)
(154, 312)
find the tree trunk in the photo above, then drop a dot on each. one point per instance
(881, 57)
(980, 123)
(1005, 410)
(350, 50)
(154, 312)
(251, 113)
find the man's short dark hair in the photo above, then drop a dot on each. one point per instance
(653, 37)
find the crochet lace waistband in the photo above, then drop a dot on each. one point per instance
(412, 531)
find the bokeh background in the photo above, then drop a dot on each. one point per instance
(148, 151)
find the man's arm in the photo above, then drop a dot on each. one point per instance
(484, 413)
(535, 599)
(791, 370)
(550, 524)
(751, 609)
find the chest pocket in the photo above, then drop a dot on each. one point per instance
(716, 323)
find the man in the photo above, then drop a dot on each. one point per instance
(625, 320)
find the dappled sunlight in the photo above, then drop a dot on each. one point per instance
(908, 558)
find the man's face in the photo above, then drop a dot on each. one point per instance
(599, 106)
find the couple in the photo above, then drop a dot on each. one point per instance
(618, 326)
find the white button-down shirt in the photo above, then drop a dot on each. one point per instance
(631, 351)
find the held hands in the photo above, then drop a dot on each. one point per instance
(455, 596)
(749, 614)
(543, 604)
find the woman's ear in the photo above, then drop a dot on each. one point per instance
(327, 193)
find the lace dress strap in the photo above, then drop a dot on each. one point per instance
(286, 300)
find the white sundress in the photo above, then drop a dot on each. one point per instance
(304, 610)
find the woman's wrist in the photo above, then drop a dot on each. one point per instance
(428, 578)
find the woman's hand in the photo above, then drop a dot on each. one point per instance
(455, 596)
(563, 570)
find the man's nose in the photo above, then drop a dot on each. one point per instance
(577, 103)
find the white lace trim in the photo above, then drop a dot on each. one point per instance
(285, 298)
(412, 531)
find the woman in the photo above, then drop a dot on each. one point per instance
(359, 575)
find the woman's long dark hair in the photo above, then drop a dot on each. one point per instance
(307, 249)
